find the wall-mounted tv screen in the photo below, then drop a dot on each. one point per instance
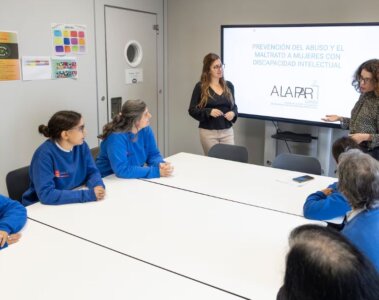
(296, 73)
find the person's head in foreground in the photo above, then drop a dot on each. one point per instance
(323, 265)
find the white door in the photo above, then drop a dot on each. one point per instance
(131, 59)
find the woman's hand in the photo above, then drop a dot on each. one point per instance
(215, 113)
(10, 239)
(332, 118)
(327, 191)
(360, 137)
(229, 115)
(165, 169)
(3, 238)
(14, 238)
(99, 192)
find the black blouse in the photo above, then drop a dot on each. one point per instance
(220, 102)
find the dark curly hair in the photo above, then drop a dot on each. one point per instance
(371, 66)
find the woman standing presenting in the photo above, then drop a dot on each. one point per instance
(213, 105)
(364, 121)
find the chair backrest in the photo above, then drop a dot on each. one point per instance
(95, 152)
(229, 152)
(18, 182)
(297, 162)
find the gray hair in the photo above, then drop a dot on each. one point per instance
(358, 178)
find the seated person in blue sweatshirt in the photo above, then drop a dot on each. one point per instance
(128, 148)
(329, 203)
(358, 177)
(12, 219)
(62, 163)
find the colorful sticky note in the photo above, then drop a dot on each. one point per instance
(74, 48)
(74, 41)
(82, 49)
(59, 49)
(58, 41)
(66, 41)
(74, 33)
(66, 33)
(57, 33)
(82, 41)
(67, 49)
(81, 34)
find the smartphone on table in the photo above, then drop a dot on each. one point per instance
(302, 178)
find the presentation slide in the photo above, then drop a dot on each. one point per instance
(297, 73)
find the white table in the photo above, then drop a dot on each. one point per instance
(245, 183)
(47, 264)
(237, 248)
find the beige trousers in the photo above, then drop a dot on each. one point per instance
(209, 138)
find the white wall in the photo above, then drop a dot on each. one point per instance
(27, 104)
(194, 30)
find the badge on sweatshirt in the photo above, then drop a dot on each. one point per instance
(59, 174)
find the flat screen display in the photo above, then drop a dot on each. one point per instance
(296, 73)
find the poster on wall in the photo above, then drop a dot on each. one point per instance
(36, 67)
(66, 67)
(9, 59)
(69, 39)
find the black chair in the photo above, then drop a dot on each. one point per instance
(95, 152)
(18, 182)
(297, 162)
(229, 152)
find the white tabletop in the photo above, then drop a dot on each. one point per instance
(246, 183)
(48, 264)
(238, 248)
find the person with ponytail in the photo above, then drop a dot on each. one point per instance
(128, 148)
(213, 105)
(62, 164)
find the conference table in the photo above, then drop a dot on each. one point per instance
(217, 241)
(242, 183)
(48, 264)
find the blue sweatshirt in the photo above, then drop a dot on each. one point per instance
(130, 155)
(363, 231)
(318, 206)
(12, 216)
(54, 173)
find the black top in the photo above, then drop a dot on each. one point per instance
(221, 102)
